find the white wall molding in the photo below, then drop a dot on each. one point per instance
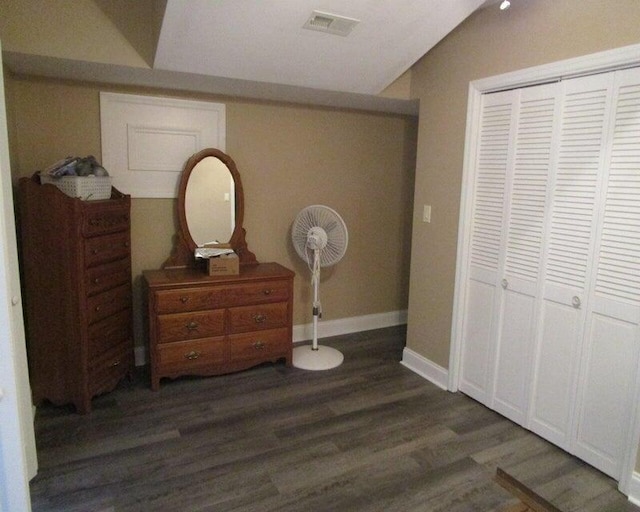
(427, 369)
(141, 356)
(328, 328)
(634, 489)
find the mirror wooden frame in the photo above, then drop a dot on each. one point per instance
(182, 255)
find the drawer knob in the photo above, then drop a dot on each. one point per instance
(126, 244)
(184, 300)
(96, 280)
(258, 345)
(192, 326)
(94, 251)
(192, 355)
(260, 319)
(98, 308)
(267, 291)
(116, 363)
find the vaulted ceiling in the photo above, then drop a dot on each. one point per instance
(348, 53)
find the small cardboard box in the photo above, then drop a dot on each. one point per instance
(225, 265)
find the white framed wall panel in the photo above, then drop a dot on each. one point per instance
(147, 140)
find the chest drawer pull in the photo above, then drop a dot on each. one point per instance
(258, 345)
(192, 355)
(184, 300)
(192, 326)
(267, 291)
(116, 363)
(260, 319)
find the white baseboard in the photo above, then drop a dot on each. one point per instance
(140, 356)
(328, 328)
(634, 489)
(427, 369)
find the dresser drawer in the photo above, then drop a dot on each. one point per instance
(188, 299)
(106, 248)
(260, 345)
(184, 355)
(105, 220)
(258, 317)
(188, 326)
(255, 293)
(108, 333)
(107, 303)
(107, 370)
(105, 277)
(193, 299)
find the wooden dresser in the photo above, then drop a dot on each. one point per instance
(76, 267)
(210, 325)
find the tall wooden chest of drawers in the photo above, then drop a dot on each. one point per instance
(76, 272)
(210, 325)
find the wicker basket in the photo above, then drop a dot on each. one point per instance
(87, 188)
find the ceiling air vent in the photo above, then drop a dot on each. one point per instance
(330, 23)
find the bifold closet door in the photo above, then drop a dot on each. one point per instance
(497, 125)
(550, 333)
(507, 242)
(607, 386)
(569, 254)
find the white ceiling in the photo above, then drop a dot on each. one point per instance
(264, 40)
(259, 49)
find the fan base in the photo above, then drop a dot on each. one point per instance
(324, 358)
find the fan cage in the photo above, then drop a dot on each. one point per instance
(328, 220)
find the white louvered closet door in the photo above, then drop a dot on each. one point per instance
(485, 245)
(609, 360)
(551, 324)
(528, 184)
(569, 252)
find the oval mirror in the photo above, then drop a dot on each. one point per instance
(210, 203)
(210, 208)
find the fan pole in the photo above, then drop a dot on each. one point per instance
(316, 357)
(315, 278)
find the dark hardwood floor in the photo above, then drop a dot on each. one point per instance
(367, 436)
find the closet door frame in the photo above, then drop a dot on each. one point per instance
(620, 58)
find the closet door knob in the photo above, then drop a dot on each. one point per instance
(504, 283)
(575, 302)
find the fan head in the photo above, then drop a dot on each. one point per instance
(320, 227)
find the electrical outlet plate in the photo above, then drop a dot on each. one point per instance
(426, 213)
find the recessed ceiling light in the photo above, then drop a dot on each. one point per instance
(505, 5)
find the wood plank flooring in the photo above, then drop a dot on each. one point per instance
(368, 436)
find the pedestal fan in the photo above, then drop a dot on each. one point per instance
(320, 238)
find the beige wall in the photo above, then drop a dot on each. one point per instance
(288, 156)
(490, 42)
